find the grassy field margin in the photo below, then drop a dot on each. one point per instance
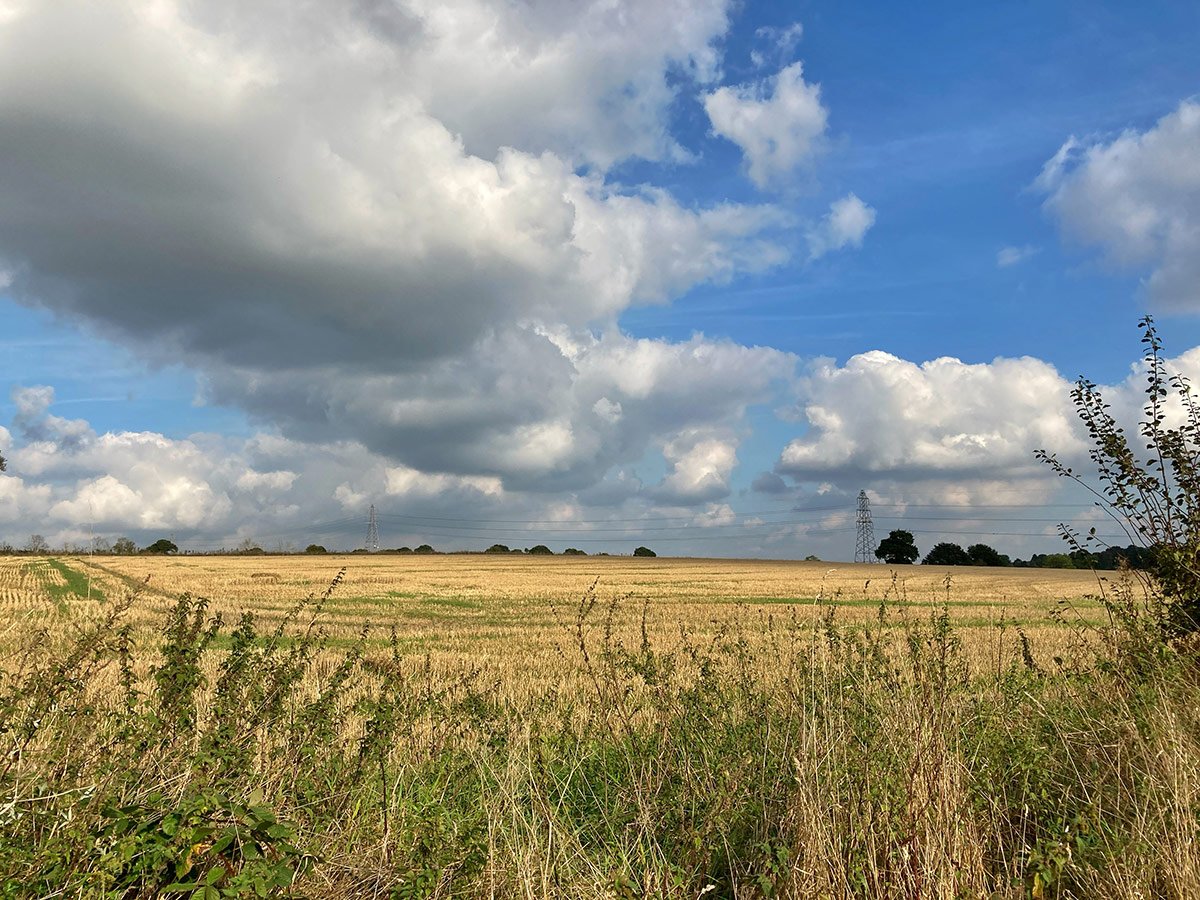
(769, 756)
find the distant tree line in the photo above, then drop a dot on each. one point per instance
(900, 548)
(38, 545)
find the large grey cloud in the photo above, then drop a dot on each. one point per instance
(253, 207)
(385, 223)
(545, 411)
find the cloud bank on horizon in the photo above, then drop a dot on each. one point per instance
(402, 238)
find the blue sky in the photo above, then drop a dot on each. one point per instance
(477, 263)
(942, 116)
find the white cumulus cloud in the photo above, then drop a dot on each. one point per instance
(845, 225)
(700, 468)
(879, 415)
(777, 122)
(1137, 198)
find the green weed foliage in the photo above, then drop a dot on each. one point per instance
(1148, 484)
(772, 759)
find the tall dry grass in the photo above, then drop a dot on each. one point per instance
(769, 755)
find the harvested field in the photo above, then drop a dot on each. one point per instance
(478, 726)
(515, 613)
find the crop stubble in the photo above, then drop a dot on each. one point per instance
(513, 618)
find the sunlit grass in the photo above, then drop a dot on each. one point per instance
(611, 728)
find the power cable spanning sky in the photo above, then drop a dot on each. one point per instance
(693, 273)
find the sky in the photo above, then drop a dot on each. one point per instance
(689, 274)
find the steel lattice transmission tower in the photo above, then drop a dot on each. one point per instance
(864, 548)
(372, 531)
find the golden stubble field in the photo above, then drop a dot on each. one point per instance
(514, 617)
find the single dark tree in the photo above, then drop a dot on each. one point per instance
(947, 554)
(983, 555)
(315, 548)
(812, 558)
(898, 549)
(572, 551)
(425, 548)
(161, 546)
(540, 550)
(644, 551)
(123, 546)
(497, 548)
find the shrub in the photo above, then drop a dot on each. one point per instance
(644, 551)
(315, 548)
(1155, 497)
(205, 845)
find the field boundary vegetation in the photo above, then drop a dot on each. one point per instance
(829, 759)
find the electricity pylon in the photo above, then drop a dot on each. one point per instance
(864, 548)
(372, 532)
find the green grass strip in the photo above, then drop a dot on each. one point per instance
(76, 587)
